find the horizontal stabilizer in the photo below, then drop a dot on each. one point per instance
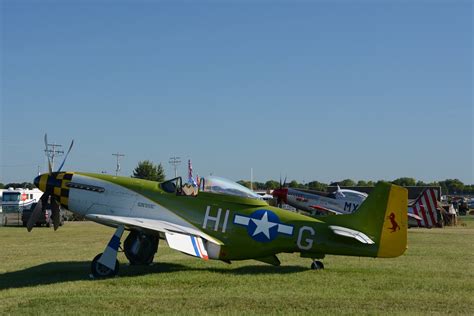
(192, 245)
(347, 232)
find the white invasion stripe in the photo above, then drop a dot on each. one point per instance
(241, 220)
(285, 229)
(432, 204)
(425, 204)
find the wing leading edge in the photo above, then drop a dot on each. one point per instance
(185, 239)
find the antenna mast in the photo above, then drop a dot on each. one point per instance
(117, 169)
(52, 152)
(175, 161)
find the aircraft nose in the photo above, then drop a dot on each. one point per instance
(37, 181)
(41, 181)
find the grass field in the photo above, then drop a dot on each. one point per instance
(46, 272)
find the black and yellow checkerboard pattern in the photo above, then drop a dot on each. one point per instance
(63, 190)
(57, 184)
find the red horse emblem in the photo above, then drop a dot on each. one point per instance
(395, 225)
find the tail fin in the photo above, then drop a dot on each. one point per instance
(425, 207)
(382, 217)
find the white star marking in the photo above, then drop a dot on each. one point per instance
(263, 225)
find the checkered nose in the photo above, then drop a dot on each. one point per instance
(42, 182)
(55, 186)
(37, 181)
(48, 182)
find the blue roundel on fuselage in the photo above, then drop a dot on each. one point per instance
(263, 225)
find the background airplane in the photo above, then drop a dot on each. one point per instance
(342, 201)
(422, 211)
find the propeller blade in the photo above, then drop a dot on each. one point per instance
(55, 213)
(284, 182)
(35, 215)
(65, 157)
(47, 154)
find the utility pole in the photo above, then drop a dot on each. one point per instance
(175, 161)
(117, 169)
(251, 179)
(52, 152)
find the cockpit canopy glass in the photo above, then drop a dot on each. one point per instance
(221, 185)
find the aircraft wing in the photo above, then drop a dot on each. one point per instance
(347, 232)
(323, 209)
(152, 224)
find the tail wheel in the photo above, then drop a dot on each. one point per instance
(317, 265)
(99, 271)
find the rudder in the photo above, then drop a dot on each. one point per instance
(393, 237)
(383, 218)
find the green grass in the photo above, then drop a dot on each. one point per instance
(46, 272)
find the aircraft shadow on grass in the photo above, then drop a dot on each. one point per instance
(60, 272)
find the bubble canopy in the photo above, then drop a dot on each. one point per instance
(220, 185)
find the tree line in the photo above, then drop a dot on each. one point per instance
(148, 170)
(448, 186)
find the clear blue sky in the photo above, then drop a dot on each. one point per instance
(313, 90)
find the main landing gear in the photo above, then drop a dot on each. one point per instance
(317, 265)
(106, 265)
(139, 248)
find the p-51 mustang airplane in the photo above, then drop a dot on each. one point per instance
(221, 220)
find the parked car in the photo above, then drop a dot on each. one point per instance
(45, 218)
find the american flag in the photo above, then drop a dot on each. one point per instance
(190, 174)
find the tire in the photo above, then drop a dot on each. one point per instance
(317, 265)
(147, 249)
(99, 271)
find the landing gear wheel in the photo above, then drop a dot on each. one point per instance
(140, 248)
(317, 265)
(99, 271)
